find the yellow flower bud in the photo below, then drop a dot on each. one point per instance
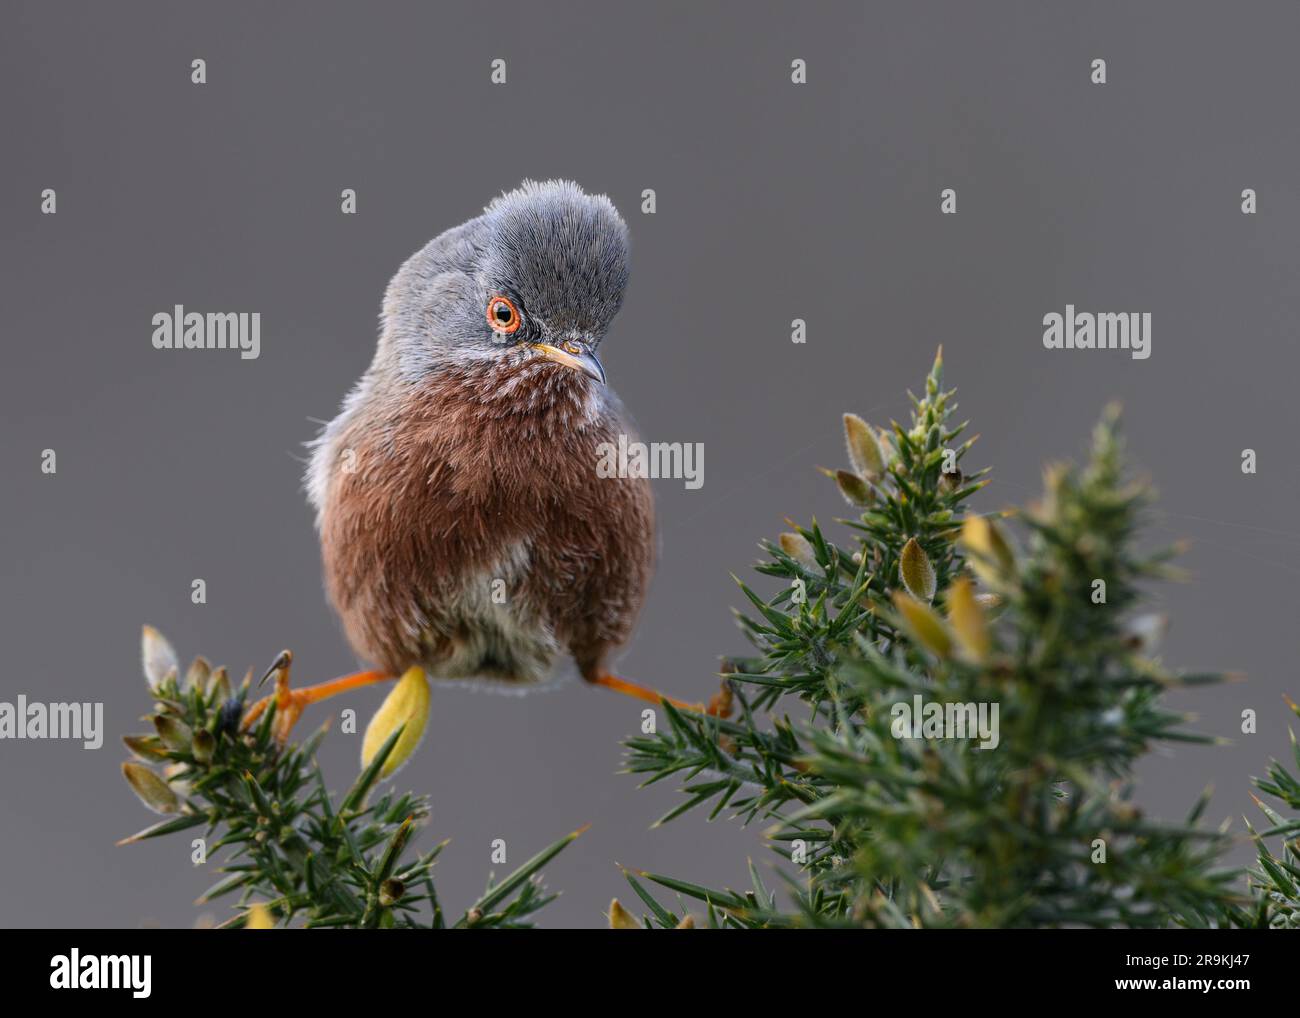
(406, 707)
(990, 556)
(798, 548)
(198, 674)
(150, 788)
(147, 747)
(620, 918)
(855, 490)
(220, 685)
(968, 621)
(923, 623)
(916, 571)
(158, 656)
(864, 450)
(174, 732)
(259, 918)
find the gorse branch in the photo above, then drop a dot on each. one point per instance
(1276, 879)
(307, 858)
(884, 814)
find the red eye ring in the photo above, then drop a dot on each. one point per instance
(503, 316)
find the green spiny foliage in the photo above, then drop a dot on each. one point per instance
(1276, 880)
(311, 859)
(886, 830)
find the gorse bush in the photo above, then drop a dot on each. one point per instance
(1276, 880)
(932, 624)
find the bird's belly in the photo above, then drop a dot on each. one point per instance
(488, 632)
(506, 578)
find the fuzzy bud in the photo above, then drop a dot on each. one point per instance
(203, 745)
(968, 622)
(924, 624)
(991, 555)
(620, 918)
(147, 747)
(174, 733)
(390, 892)
(798, 548)
(151, 789)
(196, 677)
(916, 571)
(864, 450)
(158, 656)
(855, 490)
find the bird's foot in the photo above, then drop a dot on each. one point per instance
(290, 703)
(719, 706)
(722, 702)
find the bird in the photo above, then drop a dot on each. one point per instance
(464, 526)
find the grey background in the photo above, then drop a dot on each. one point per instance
(775, 202)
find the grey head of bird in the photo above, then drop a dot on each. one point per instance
(536, 279)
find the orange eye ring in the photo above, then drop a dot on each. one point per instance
(503, 316)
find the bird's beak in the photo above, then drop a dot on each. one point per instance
(574, 355)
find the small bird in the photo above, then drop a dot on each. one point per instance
(464, 526)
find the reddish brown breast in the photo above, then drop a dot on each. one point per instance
(465, 527)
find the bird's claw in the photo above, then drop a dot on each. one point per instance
(281, 664)
(289, 703)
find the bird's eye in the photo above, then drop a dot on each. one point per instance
(502, 315)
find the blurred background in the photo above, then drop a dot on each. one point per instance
(774, 202)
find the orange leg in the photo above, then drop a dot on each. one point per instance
(289, 703)
(718, 706)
